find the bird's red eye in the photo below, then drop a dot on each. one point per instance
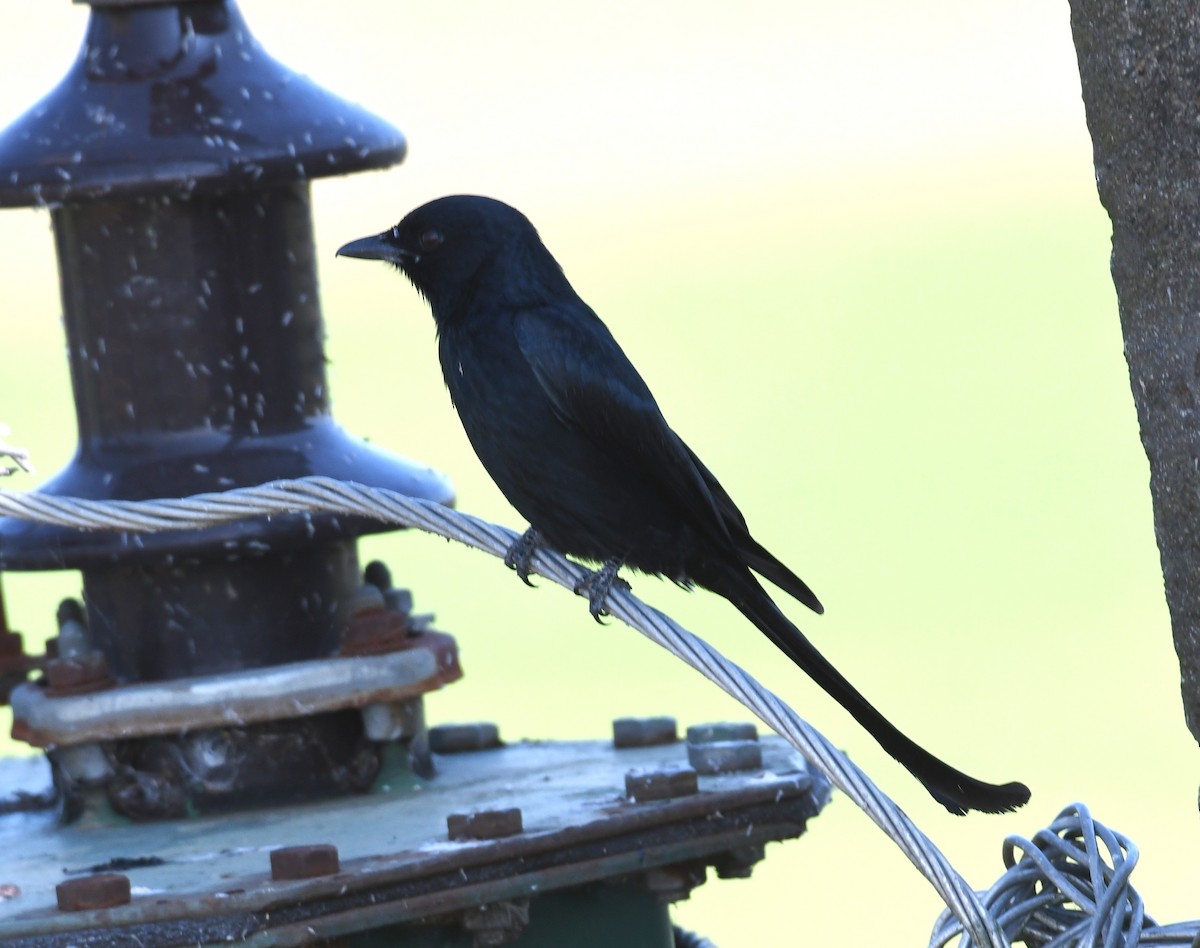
(430, 239)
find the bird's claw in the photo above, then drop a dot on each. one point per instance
(597, 585)
(520, 555)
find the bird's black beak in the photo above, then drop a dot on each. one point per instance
(380, 247)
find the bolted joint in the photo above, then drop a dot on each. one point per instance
(77, 667)
(460, 738)
(83, 764)
(485, 824)
(724, 747)
(101, 891)
(374, 627)
(664, 784)
(77, 676)
(393, 720)
(644, 732)
(378, 575)
(304, 862)
(718, 731)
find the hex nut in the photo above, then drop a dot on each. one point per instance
(664, 784)
(722, 731)
(374, 631)
(74, 676)
(644, 732)
(458, 738)
(485, 824)
(725, 757)
(304, 862)
(101, 891)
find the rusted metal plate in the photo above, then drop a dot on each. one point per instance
(233, 698)
(209, 879)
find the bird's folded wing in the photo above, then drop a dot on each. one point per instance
(596, 391)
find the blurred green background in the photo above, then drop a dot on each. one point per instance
(858, 255)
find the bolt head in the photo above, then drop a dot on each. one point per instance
(375, 632)
(485, 824)
(722, 731)
(74, 676)
(304, 862)
(725, 757)
(101, 891)
(664, 784)
(457, 738)
(644, 732)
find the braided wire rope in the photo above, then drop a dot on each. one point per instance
(326, 495)
(1070, 886)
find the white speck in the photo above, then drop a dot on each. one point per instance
(288, 315)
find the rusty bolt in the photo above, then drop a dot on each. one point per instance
(101, 891)
(722, 731)
(485, 824)
(304, 862)
(374, 632)
(74, 676)
(456, 738)
(663, 784)
(644, 732)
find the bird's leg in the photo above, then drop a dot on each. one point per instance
(520, 554)
(597, 584)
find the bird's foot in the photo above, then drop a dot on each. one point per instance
(519, 556)
(597, 585)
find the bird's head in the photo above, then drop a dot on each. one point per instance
(447, 248)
